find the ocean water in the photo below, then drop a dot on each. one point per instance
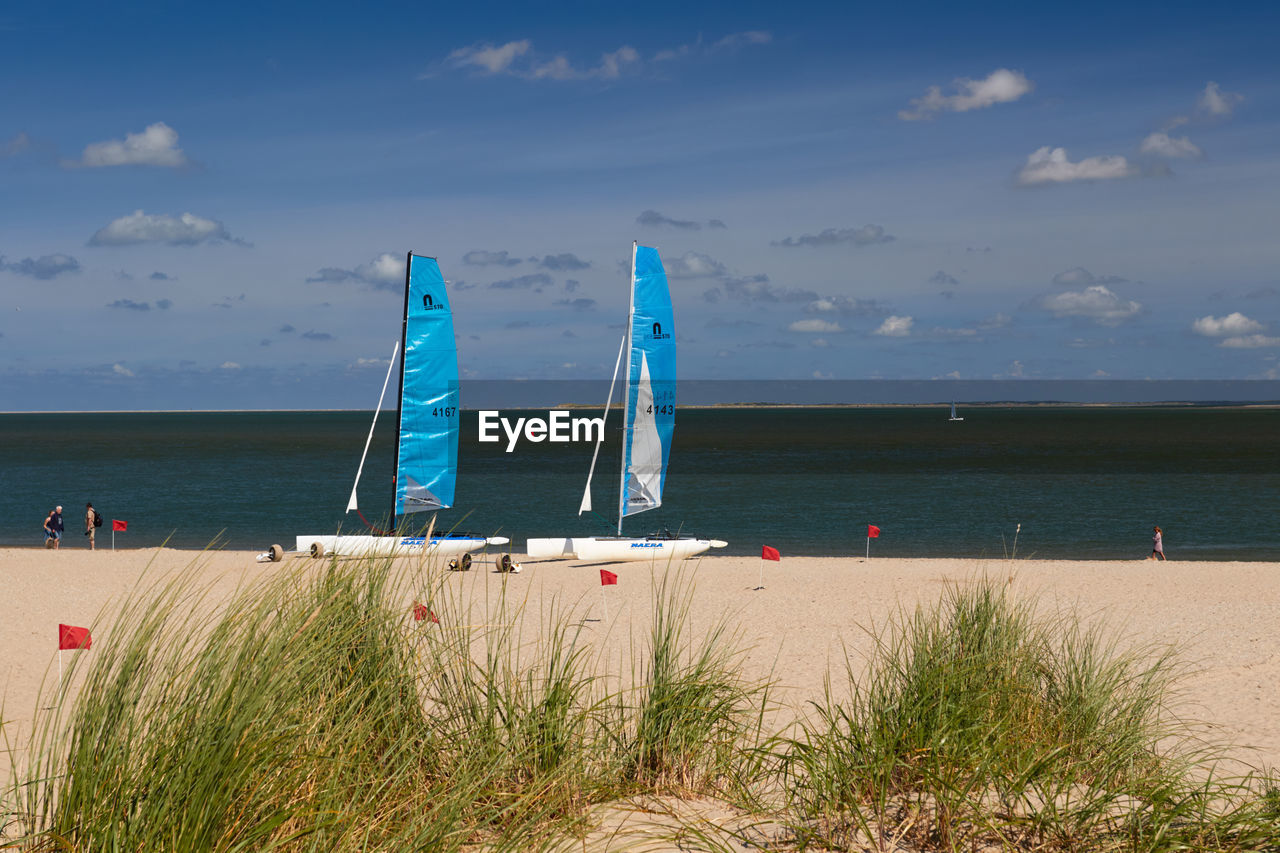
(1083, 482)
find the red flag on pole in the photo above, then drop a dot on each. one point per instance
(608, 578)
(873, 532)
(117, 524)
(71, 637)
(767, 553)
(421, 612)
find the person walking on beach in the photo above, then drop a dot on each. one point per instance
(53, 529)
(1157, 545)
(89, 527)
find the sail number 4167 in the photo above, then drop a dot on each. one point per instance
(444, 411)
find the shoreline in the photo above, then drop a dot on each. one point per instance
(76, 546)
(989, 404)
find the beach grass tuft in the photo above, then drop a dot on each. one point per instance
(980, 723)
(311, 711)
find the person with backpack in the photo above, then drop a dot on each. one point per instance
(92, 521)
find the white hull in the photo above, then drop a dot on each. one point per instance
(381, 546)
(615, 549)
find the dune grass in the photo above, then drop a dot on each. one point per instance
(981, 724)
(312, 712)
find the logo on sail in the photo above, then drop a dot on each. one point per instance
(429, 304)
(658, 334)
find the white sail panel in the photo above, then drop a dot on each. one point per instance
(645, 464)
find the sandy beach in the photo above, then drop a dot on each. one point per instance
(1221, 617)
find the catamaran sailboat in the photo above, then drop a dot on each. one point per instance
(426, 429)
(953, 414)
(649, 419)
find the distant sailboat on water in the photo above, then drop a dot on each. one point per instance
(954, 417)
(649, 419)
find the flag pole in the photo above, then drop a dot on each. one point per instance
(59, 669)
(868, 547)
(761, 586)
(605, 600)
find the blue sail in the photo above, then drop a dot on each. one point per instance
(651, 385)
(427, 459)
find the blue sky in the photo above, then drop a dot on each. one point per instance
(212, 204)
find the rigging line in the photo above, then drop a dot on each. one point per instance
(378, 530)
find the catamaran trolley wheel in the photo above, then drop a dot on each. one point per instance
(277, 553)
(317, 550)
(504, 564)
(465, 563)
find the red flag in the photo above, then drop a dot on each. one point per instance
(117, 524)
(873, 532)
(421, 612)
(608, 578)
(71, 637)
(767, 553)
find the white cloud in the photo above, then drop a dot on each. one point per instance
(1164, 145)
(814, 326)
(1216, 102)
(185, 230)
(845, 305)
(610, 68)
(1232, 325)
(731, 42)
(20, 142)
(1050, 166)
(895, 327)
(494, 60)
(384, 272)
(999, 87)
(120, 370)
(372, 362)
(1096, 303)
(155, 146)
(519, 59)
(229, 365)
(694, 265)
(1250, 342)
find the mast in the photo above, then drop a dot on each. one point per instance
(404, 341)
(626, 394)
